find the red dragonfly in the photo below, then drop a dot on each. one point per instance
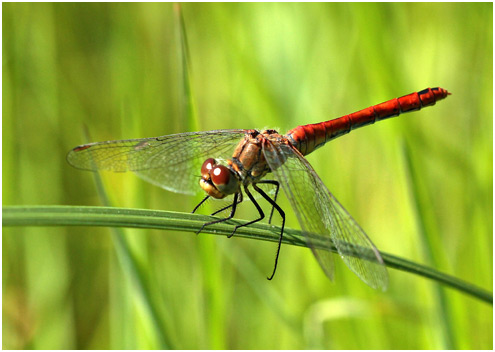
(232, 161)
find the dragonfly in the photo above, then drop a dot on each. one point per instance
(234, 162)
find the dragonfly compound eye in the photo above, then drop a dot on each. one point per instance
(207, 166)
(220, 176)
(223, 179)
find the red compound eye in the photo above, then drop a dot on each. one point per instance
(207, 166)
(220, 175)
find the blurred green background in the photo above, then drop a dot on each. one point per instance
(117, 69)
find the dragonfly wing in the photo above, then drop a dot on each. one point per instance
(172, 162)
(323, 220)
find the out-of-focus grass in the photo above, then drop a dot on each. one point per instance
(117, 68)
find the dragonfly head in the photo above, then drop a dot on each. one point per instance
(217, 180)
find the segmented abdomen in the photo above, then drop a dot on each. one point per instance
(309, 137)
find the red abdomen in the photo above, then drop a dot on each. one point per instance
(309, 137)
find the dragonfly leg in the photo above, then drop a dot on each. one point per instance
(282, 214)
(200, 203)
(260, 211)
(231, 215)
(277, 185)
(228, 206)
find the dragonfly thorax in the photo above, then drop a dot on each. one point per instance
(218, 180)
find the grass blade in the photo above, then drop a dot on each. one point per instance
(63, 215)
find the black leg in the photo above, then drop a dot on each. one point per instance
(197, 206)
(282, 214)
(238, 199)
(260, 211)
(272, 182)
(228, 206)
(232, 212)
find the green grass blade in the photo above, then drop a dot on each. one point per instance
(187, 88)
(133, 269)
(428, 231)
(165, 220)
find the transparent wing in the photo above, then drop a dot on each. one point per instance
(172, 162)
(323, 220)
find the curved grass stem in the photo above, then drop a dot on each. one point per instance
(166, 220)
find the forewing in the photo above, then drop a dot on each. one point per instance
(172, 162)
(323, 220)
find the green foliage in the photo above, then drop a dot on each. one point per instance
(420, 185)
